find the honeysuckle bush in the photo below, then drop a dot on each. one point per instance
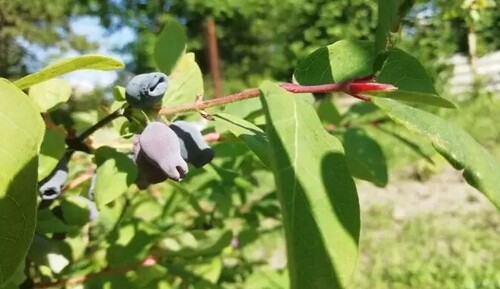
(276, 207)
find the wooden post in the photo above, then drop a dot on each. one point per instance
(213, 57)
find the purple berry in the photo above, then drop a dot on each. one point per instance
(145, 90)
(194, 149)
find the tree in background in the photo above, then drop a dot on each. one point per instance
(259, 39)
(256, 38)
(38, 22)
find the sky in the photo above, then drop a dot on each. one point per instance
(87, 80)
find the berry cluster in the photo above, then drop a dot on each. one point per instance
(162, 152)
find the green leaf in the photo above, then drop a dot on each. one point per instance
(148, 277)
(52, 253)
(207, 269)
(364, 156)
(47, 223)
(328, 112)
(186, 81)
(387, 19)
(480, 169)
(409, 76)
(119, 93)
(50, 93)
(249, 133)
(89, 61)
(108, 281)
(341, 61)
(318, 198)
(418, 147)
(259, 246)
(361, 113)
(266, 279)
(390, 13)
(115, 173)
(170, 45)
(75, 210)
(51, 151)
(130, 244)
(21, 134)
(201, 273)
(244, 108)
(195, 243)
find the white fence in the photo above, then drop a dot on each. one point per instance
(488, 70)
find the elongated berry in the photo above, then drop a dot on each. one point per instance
(145, 90)
(161, 147)
(50, 187)
(194, 149)
(147, 172)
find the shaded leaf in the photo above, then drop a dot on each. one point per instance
(361, 113)
(341, 61)
(364, 156)
(202, 273)
(195, 243)
(480, 169)
(318, 198)
(414, 84)
(115, 173)
(109, 281)
(328, 113)
(47, 223)
(249, 133)
(149, 277)
(52, 253)
(89, 61)
(75, 210)
(130, 244)
(170, 45)
(418, 148)
(51, 151)
(21, 134)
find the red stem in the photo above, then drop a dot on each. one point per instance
(353, 88)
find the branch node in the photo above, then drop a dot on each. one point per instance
(203, 113)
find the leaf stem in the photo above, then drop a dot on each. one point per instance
(78, 143)
(114, 115)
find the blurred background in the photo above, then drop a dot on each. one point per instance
(427, 228)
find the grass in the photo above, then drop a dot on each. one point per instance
(429, 251)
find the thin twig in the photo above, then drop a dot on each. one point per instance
(249, 93)
(83, 279)
(360, 85)
(110, 117)
(79, 180)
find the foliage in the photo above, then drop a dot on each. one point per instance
(38, 23)
(276, 207)
(438, 249)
